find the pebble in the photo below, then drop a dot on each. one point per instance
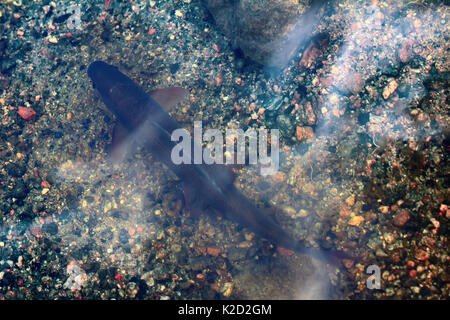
(421, 255)
(401, 218)
(384, 209)
(380, 253)
(227, 289)
(147, 277)
(45, 184)
(53, 39)
(390, 88)
(303, 133)
(344, 211)
(279, 177)
(356, 220)
(350, 200)
(389, 238)
(285, 252)
(415, 289)
(213, 251)
(26, 113)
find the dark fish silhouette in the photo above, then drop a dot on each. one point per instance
(142, 117)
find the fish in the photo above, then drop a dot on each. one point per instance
(208, 188)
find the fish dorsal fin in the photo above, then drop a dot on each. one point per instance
(168, 97)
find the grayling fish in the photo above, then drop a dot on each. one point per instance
(142, 117)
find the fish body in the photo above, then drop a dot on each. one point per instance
(206, 186)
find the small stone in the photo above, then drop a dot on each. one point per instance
(401, 218)
(200, 276)
(390, 88)
(227, 289)
(415, 289)
(160, 235)
(350, 200)
(26, 113)
(45, 184)
(421, 255)
(380, 253)
(384, 209)
(302, 213)
(344, 211)
(356, 220)
(249, 236)
(285, 252)
(290, 211)
(147, 277)
(303, 133)
(389, 238)
(213, 251)
(279, 177)
(53, 39)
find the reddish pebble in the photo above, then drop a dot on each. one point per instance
(401, 218)
(213, 251)
(412, 273)
(140, 229)
(201, 276)
(410, 264)
(26, 113)
(285, 252)
(45, 184)
(152, 31)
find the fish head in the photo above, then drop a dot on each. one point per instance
(104, 76)
(120, 94)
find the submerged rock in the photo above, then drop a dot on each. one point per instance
(268, 32)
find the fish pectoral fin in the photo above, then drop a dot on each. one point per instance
(121, 144)
(168, 97)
